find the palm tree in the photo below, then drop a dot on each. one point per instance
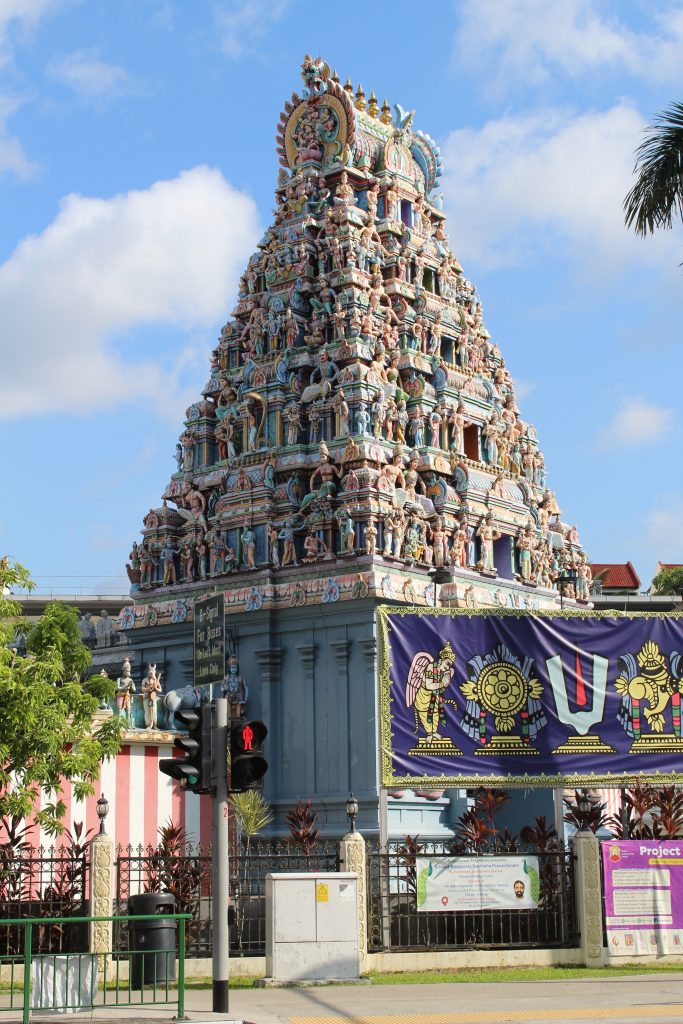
(658, 192)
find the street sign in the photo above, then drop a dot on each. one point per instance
(209, 640)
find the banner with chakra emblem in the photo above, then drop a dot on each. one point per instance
(511, 699)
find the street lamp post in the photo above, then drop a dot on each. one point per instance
(352, 811)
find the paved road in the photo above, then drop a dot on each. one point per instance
(633, 1000)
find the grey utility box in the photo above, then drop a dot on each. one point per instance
(312, 926)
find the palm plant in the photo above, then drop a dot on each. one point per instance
(302, 828)
(658, 192)
(252, 814)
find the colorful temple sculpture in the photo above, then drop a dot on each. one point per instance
(358, 439)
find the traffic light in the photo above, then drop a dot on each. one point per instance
(247, 763)
(193, 772)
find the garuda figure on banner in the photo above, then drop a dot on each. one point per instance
(427, 681)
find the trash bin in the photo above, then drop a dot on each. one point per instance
(152, 944)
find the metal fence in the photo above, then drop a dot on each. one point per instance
(39, 982)
(188, 877)
(42, 883)
(395, 923)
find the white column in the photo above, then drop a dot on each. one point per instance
(352, 858)
(588, 894)
(101, 895)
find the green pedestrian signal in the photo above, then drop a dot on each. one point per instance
(193, 772)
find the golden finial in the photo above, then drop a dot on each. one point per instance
(373, 109)
(360, 98)
(348, 87)
(335, 76)
(386, 113)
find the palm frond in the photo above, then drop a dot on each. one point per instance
(658, 192)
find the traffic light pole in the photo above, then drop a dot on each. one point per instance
(220, 868)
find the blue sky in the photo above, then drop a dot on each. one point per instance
(137, 165)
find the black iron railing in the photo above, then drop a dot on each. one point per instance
(38, 882)
(395, 922)
(188, 877)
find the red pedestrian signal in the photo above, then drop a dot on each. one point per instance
(247, 764)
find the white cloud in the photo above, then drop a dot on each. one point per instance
(22, 15)
(13, 159)
(521, 184)
(243, 24)
(636, 422)
(517, 43)
(90, 77)
(170, 254)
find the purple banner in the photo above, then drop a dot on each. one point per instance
(643, 882)
(529, 700)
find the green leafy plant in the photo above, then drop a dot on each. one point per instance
(47, 735)
(669, 581)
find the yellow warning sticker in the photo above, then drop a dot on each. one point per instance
(322, 892)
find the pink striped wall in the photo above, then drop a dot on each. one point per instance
(141, 800)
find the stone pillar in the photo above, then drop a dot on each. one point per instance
(352, 858)
(306, 654)
(588, 895)
(101, 895)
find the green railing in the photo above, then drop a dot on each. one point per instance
(86, 980)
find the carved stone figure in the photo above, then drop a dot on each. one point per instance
(125, 688)
(151, 688)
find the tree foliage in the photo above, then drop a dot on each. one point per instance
(657, 196)
(669, 581)
(47, 733)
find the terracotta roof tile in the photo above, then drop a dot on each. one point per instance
(619, 575)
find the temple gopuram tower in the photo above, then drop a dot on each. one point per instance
(358, 442)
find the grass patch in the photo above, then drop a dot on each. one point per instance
(559, 972)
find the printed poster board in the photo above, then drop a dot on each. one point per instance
(643, 892)
(477, 883)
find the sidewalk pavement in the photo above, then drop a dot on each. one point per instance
(650, 998)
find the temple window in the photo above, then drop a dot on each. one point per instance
(471, 439)
(428, 279)
(407, 212)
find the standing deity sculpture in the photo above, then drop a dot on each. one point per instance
(487, 534)
(150, 689)
(125, 688)
(235, 690)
